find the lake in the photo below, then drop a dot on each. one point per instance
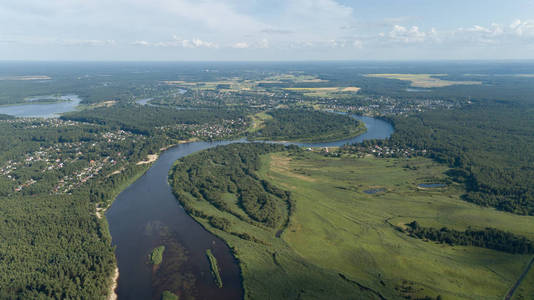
(42, 110)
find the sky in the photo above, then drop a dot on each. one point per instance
(266, 30)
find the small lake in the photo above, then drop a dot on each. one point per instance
(431, 185)
(412, 90)
(374, 191)
(33, 109)
(146, 215)
(143, 101)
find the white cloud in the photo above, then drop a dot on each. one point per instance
(240, 45)
(522, 28)
(141, 43)
(407, 35)
(198, 43)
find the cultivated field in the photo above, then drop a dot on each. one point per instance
(424, 80)
(324, 91)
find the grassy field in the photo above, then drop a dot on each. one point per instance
(341, 243)
(258, 121)
(526, 290)
(424, 80)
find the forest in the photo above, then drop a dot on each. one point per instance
(213, 174)
(149, 120)
(307, 125)
(490, 238)
(488, 145)
(53, 245)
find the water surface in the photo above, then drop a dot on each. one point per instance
(431, 185)
(42, 110)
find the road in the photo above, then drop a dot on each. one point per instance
(518, 282)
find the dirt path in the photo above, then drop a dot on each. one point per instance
(518, 282)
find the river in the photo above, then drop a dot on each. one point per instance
(146, 215)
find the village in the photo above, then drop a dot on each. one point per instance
(62, 167)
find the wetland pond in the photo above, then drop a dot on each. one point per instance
(146, 215)
(431, 185)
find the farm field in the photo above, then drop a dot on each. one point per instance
(424, 80)
(324, 91)
(345, 238)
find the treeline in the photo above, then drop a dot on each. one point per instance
(145, 119)
(225, 173)
(488, 145)
(307, 125)
(489, 238)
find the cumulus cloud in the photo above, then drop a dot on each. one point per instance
(178, 27)
(198, 43)
(407, 35)
(522, 28)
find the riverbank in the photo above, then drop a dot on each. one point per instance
(114, 284)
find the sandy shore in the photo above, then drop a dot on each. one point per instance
(99, 211)
(115, 278)
(149, 159)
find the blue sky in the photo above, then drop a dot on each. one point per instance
(186, 30)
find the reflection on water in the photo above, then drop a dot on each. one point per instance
(42, 110)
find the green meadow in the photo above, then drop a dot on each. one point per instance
(342, 243)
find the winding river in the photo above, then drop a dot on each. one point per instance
(146, 215)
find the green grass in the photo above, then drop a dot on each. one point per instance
(169, 296)
(258, 121)
(214, 268)
(338, 229)
(525, 291)
(156, 257)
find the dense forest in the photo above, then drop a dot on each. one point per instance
(488, 145)
(490, 238)
(53, 247)
(211, 175)
(307, 125)
(149, 120)
(53, 174)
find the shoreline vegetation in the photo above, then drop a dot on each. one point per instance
(214, 268)
(156, 257)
